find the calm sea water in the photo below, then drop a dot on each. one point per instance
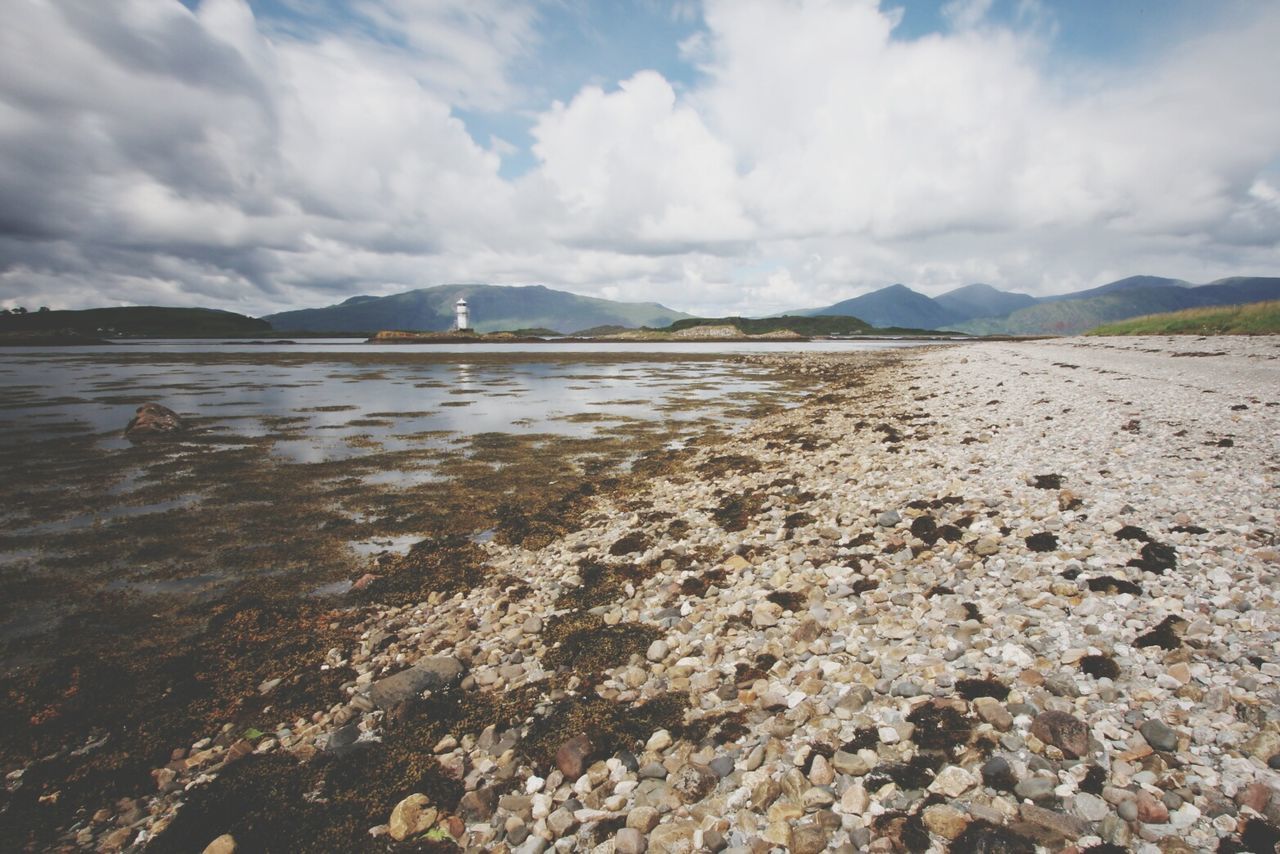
(333, 390)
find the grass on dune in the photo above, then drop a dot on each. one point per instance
(1260, 318)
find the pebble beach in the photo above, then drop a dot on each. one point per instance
(994, 597)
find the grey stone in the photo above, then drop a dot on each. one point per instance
(1036, 789)
(654, 771)
(429, 674)
(722, 766)
(998, 774)
(1159, 736)
(1090, 807)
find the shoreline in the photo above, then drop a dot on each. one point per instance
(865, 618)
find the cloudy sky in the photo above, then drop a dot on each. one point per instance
(717, 156)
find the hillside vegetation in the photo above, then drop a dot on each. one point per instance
(1262, 318)
(145, 321)
(807, 326)
(1138, 296)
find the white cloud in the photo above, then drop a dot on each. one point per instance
(966, 14)
(148, 153)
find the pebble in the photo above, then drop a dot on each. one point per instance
(629, 840)
(952, 781)
(883, 610)
(1090, 807)
(1159, 736)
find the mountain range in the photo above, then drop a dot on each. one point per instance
(981, 309)
(978, 309)
(492, 308)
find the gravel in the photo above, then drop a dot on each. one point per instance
(835, 625)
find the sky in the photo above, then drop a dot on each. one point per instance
(717, 156)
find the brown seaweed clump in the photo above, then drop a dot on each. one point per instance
(940, 726)
(585, 644)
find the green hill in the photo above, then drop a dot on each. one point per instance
(145, 321)
(1071, 316)
(493, 308)
(1259, 318)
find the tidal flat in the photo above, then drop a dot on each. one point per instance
(148, 591)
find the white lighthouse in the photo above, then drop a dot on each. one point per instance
(463, 322)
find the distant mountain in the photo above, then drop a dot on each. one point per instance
(981, 309)
(141, 321)
(1069, 314)
(492, 308)
(980, 300)
(896, 305)
(1129, 284)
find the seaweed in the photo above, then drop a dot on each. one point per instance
(983, 837)
(940, 727)
(972, 689)
(1166, 635)
(1099, 666)
(1109, 584)
(586, 644)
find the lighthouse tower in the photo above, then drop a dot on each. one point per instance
(463, 322)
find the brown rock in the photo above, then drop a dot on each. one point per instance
(1065, 732)
(809, 631)
(573, 756)
(117, 839)
(643, 818)
(364, 581)
(153, 421)
(808, 839)
(693, 782)
(1256, 796)
(478, 806)
(239, 750)
(412, 816)
(224, 844)
(945, 820)
(1058, 824)
(1150, 809)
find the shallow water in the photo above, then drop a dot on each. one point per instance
(357, 429)
(283, 344)
(323, 410)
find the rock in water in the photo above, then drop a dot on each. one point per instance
(433, 673)
(153, 421)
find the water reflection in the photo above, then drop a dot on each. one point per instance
(327, 409)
